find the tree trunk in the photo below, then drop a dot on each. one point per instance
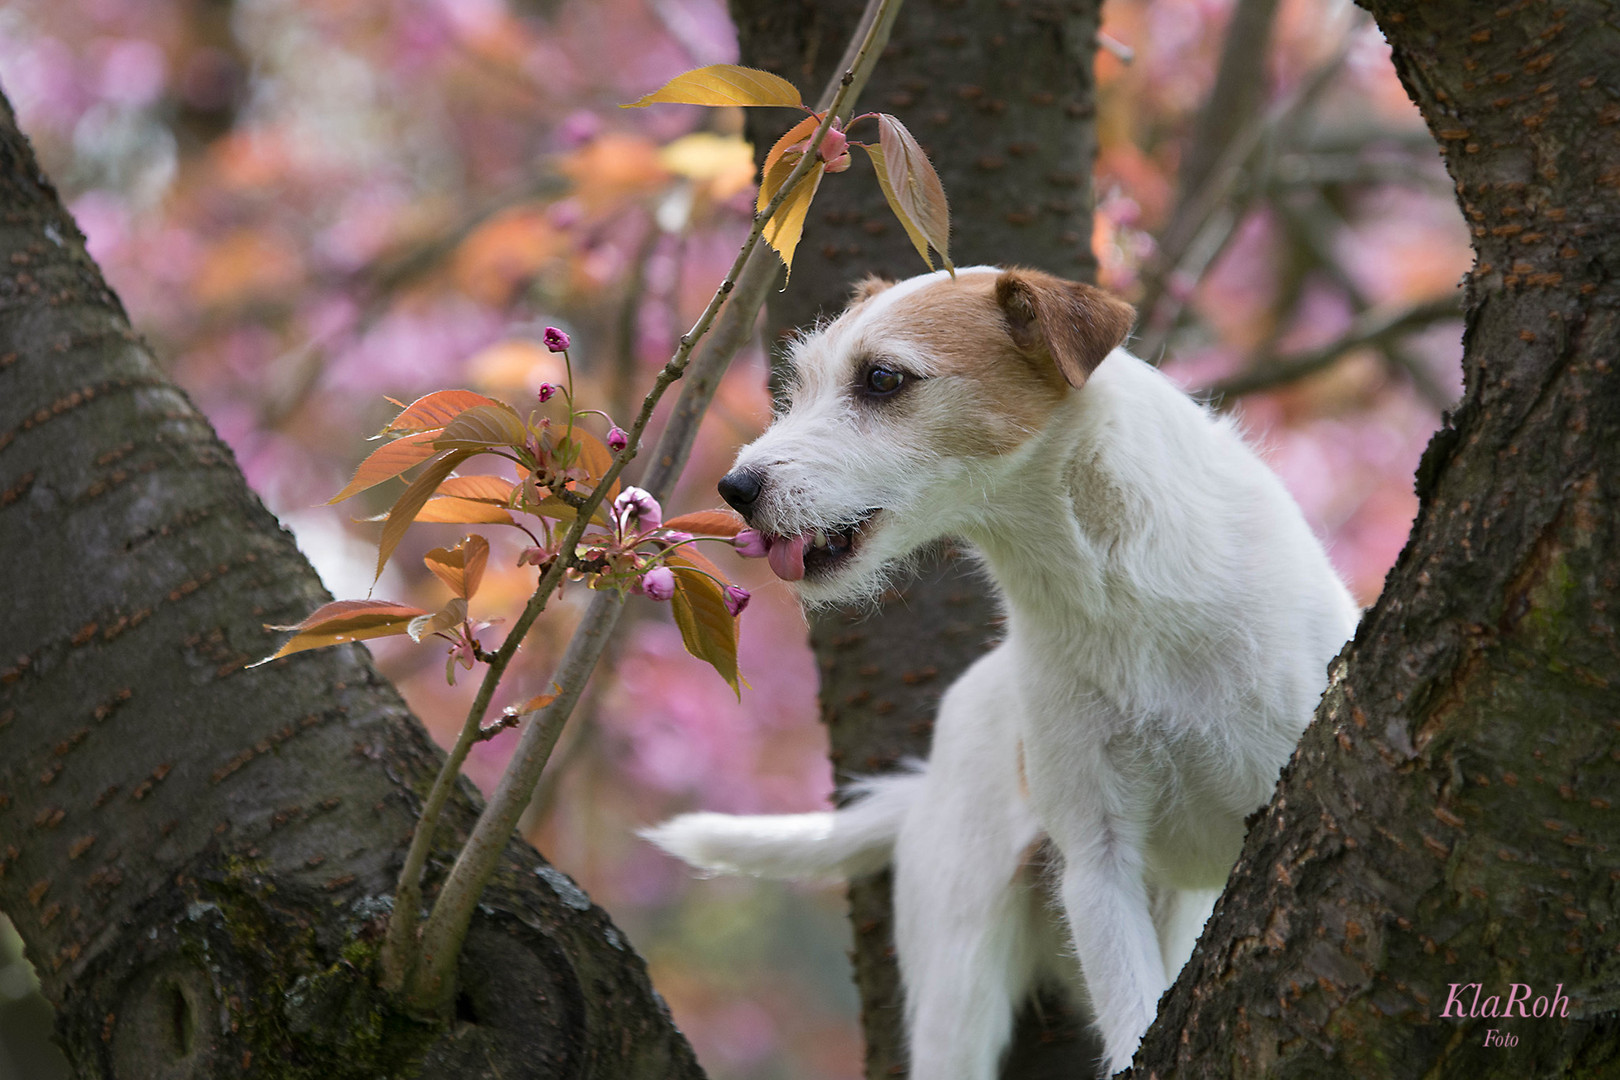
(199, 857)
(1449, 818)
(1001, 97)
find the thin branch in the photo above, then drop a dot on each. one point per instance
(1198, 227)
(431, 978)
(1371, 328)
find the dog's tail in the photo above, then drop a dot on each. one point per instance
(857, 839)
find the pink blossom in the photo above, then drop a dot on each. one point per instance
(617, 439)
(736, 599)
(637, 502)
(658, 583)
(750, 544)
(548, 391)
(555, 339)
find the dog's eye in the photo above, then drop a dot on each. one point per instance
(881, 381)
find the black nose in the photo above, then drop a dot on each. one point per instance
(741, 489)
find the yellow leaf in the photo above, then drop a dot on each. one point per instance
(770, 177)
(919, 198)
(596, 459)
(707, 628)
(723, 84)
(432, 411)
(724, 162)
(786, 226)
(918, 240)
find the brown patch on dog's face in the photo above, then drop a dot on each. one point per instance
(1071, 324)
(999, 353)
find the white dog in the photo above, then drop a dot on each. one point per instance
(1170, 618)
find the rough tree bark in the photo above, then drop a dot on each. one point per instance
(1450, 817)
(197, 856)
(1001, 96)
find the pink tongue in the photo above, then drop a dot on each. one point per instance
(786, 556)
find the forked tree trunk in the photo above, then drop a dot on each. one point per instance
(1000, 95)
(198, 857)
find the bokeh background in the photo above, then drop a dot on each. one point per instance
(308, 206)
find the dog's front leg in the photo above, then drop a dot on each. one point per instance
(965, 905)
(1096, 809)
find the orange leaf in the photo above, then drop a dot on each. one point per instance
(723, 84)
(411, 502)
(343, 621)
(453, 614)
(454, 511)
(436, 410)
(596, 459)
(708, 523)
(919, 198)
(539, 701)
(707, 627)
(387, 462)
(798, 133)
(688, 555)
(481, 488)
(460, 567)
(483, 426)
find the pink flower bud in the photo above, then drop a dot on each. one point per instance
(658, 583)
(835, 150)
(750, 544)
(548, 391)
(736, 599)
(555, 339)
(639, 503)
(617, 439)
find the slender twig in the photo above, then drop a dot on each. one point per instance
(1371, 328)
(429, 979)
(1190, 231)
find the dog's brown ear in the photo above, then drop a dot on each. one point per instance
(1072, 324)
(868, 287)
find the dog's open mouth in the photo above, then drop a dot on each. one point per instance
(816, 552)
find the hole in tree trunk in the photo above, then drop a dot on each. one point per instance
(465, 1013)
(182, 1021)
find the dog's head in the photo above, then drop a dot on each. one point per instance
(904, 409)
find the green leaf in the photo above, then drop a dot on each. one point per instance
(404, 511)
(918, 198)
(723, 84)
(343, 621)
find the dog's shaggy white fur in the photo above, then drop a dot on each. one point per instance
(1170, 618)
